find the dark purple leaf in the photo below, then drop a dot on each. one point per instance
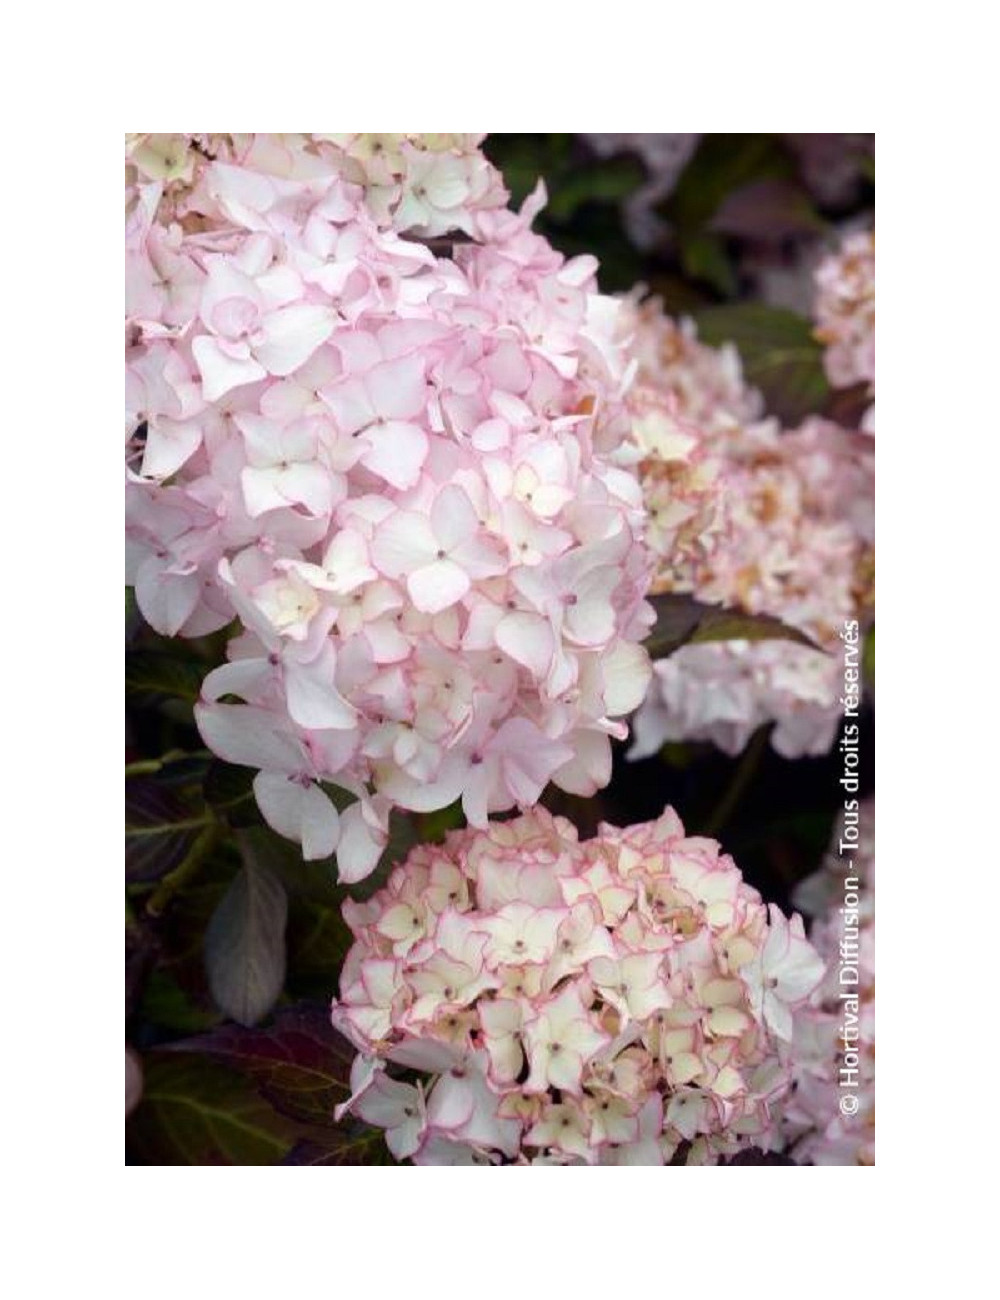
(299, 1063)
(753, 1156)
(140, 955)
(768, 211)
(194, 1112)
(779, 352)
(245, 945)
(161, 830)
(847, 407)
(356, 1145)
(682, 620)
(150, 673)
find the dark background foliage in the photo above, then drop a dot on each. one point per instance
(233, 943)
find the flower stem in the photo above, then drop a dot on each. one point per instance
(147, 766)
(745, 771)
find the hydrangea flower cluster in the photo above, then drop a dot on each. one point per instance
(705, 384)
(816, 1130)
(845, 315)
(624, 1000)
(684, 489)
(784, 525)
(405, 474)
(431, 183)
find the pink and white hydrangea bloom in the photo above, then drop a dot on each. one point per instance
(836, 1027)
(409, 477)
(622, 1000)
(749, 516)
(845, 315)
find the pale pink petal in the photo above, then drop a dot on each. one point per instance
(453, 517)
(228, 288)
(589, 770)
(299, 812)
(402, 543)
(627, 672)
(167, 600)
(424, 796)
(260, 491)
(245, 735)
(362, 839)
(169, 445)
(290, 335)
(315, 703)
(397, 452)
(351, 406)
(397, 388)
(246, 678)
(451, 1104)
(385, 1103)
(590, 616)
(437, 585)
(475, 796)
(221, 373)
(529, 641)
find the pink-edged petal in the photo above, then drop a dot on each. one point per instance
(453, 517)
(167, 600)
(351, 406)
(396, 452)
(247, 678)
(379, 976)
(425, 796)
(169, 445)
(387, 643)
(481, 557)
(402, 543)
(627, 672)
(246, 736)
(522, 743)
(314, 703)
(437, 585)
(300, 812)
(439, 1150)
(405, 1139)
(276, 489)
(362, 839)
(564, 1071)
(346, 561)
(451, 1104)
(778, 1018)
(260, 492)
(445, 184)
(590, 618)
(427, 1054)
(385, 1103)
(508, 367)
(262, 438)
(589, 769)
(290, 335)
(219, 372)
(363, 1074)
(528, 639)
(397, 388)
(307, 485)
(227, 290)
